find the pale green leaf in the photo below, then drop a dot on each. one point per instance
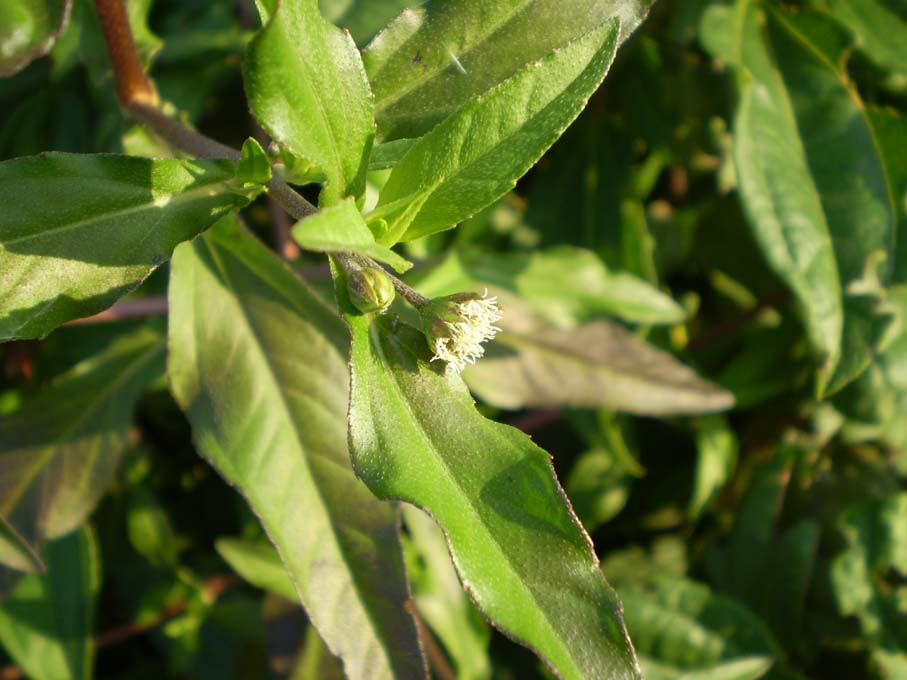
(433, 59)
(717, 449)
(307, 87)
(813, 184)
(259, 564)
(566, 285)
(519, 550)
(257, 363)
(28, 30)
(60, 450)
(253, 166)
(341, 228)
(47, 623)
(880, 27)
(78, 232)
(477, 155)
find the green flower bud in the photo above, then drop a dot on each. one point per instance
(457, 325)
(370, 290)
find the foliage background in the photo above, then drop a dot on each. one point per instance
(767, 541)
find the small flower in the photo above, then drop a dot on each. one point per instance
(457, 325)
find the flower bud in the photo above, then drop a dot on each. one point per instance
(370, 290)
(457, 325)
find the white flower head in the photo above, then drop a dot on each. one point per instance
(457, 325)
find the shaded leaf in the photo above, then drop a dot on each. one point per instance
(880, 27)
(362, 18)
(78, 232)
(477, 155)
(60, 450)
(257, 364)
(28, 30)
(868, 577)
(253, 166)
(433, 59)
(532, 364)
(47, 623)
(813, 184)
(307, 87)
(520, 552)
(717, 447)
(341, 228)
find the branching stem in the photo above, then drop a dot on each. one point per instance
(139, 101)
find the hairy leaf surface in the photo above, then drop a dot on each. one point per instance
(78, 232)
(520, 552)
(477, 155)
(307, 87)
(256, 361)
(432, 59)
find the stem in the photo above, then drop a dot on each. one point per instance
(132, 83)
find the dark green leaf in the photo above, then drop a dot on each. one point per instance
(477, 155)
(520, 552)
(78, 232)
(307, 87)
(257, 364)
(47, 623)
(433, 59)
(814, 185)
(60, 450)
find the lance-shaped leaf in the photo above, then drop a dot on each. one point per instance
(341, 228)
(307, 87)
(521, 553)
(28, 30)
(533, 364)
(813, 184)
(477, 155)
(77, 232)
(432, 59)
(47, 623)
(257, 363)
(61, 449)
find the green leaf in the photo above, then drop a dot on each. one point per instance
(340, 228)
(521, 554)
(389, 154)
(259, 564)
(46, 624)
(532, 364)
(718, 448)
(568, 286)
(433, 59)
(682, 624)
(78, 232)
(257, 364)
(307, 87)
(28, 30)
(60, 450)
(441, 600)
(477, 155)
(253, 167)
(747, 668)
(880, 27)
(813, 184)
(868, 577)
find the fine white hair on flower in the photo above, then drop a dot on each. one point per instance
(465, 325)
